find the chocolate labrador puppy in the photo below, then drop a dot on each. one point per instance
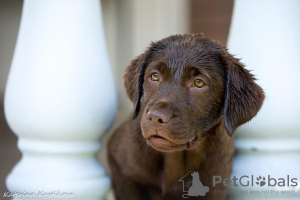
(190, 95)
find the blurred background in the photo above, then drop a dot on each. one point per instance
(130, 25)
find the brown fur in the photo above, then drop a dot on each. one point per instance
(178, 127)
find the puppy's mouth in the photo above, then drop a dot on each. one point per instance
(163, 144)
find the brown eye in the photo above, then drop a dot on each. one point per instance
(199, 83)
(155, 77)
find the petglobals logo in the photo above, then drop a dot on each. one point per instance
(246, 181)
(193, 185)
(252, 185)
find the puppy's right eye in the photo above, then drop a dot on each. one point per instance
(155, 77)
(198, 83)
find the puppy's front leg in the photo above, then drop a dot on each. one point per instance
(124, 187)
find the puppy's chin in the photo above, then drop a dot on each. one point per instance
(165, 145)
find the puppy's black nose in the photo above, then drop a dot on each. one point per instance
(158, 116)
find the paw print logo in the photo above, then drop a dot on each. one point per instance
(260, 181)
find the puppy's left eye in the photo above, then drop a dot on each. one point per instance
(155, 77)
(198, 83)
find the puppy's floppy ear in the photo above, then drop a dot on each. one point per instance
(134, 79)
(243, 97)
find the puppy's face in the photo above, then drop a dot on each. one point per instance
(185, 85)
(183, 96)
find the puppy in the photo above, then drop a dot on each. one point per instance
(190, 95)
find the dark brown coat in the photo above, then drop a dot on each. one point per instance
(190, 95)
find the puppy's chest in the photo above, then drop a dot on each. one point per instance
(160, 170)
(148, 171)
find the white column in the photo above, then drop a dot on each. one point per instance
(265, 34)
(60, 98)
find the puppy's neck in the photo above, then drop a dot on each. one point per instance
(178, 164)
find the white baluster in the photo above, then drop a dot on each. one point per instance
(265, 34)
(60, 98)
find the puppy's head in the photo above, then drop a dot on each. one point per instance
(183, 86)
